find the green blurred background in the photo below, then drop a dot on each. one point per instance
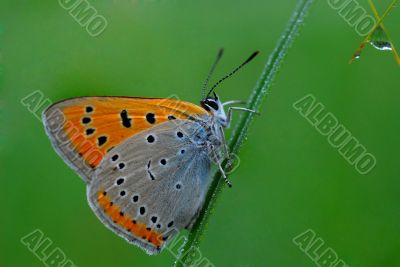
(290, 179)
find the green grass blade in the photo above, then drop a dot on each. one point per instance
(238, 135)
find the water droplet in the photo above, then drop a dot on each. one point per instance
(382, 45)
(380, 40)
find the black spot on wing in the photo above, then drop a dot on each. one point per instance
(150, 139)
(149, 172)
(142, 210)
(102, 140)
(126, 121)
(90, 131)
(121, 165)
(151, 118)
(86, 120)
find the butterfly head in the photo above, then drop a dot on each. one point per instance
(215, 107)
(212, 104)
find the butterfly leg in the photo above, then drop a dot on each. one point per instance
(224, 175)
(218, 160)
(229, 115)
(224, 145)
(234, 102)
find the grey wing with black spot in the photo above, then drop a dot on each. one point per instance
(153, 184)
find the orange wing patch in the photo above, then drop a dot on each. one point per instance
(94, 125)
(137, 229)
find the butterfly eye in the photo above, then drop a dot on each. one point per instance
(213, 104)
(209, 102)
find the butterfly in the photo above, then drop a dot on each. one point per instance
(146, 161)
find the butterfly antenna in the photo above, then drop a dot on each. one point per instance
(252, 56)
(219, 55)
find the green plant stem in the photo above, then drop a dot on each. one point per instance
(239, 133)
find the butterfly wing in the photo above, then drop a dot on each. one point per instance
(153, 184)
(82, 130)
